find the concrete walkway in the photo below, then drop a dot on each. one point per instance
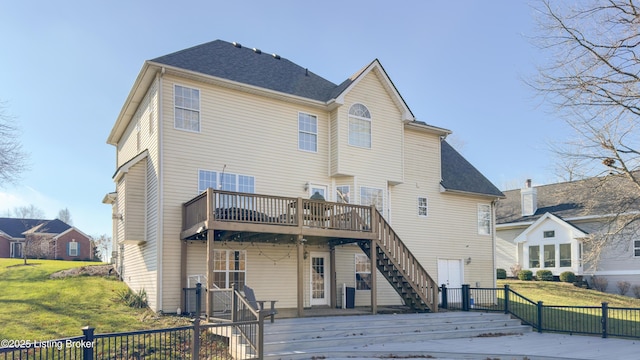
(530, 346)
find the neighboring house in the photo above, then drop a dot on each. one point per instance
(43, 239)
(555, 226)
(219, 148)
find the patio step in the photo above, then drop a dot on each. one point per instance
(301, 338)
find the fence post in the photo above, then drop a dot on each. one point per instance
(465, 297)
(195, 342)
(234, 303)
(540, 306)
(87, 351)
(198, 300)
(507, 291)
(260, 344)
(445, 300)
(605, 319)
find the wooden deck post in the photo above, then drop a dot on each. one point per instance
(183, 272)
(374, 289)
(300, 285)
(332, 272)
(210, 267)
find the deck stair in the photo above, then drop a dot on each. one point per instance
(305, 338)
(401, 268)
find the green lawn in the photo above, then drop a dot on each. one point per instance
(35, 307)
(559, 293)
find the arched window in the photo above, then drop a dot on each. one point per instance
(359, 126)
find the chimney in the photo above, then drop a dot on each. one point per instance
(529, 199)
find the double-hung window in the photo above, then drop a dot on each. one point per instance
(636, 248)
(565, 255)
(73, 248)
(359, 126)
(307, 132)
(229, 267)
(534, 256)
(187, 108)
(363, 272)
(422, 207)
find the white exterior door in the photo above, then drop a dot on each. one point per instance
(319, 278)
(450, 273)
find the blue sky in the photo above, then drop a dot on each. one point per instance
(66, 68)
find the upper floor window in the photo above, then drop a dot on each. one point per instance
(342, 194)
(484, 219)
(307, 132)
(549, 234)
(359, 126)
(187, 108)
(422, 207)
(225, 181)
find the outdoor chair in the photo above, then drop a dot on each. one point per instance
(258, 305)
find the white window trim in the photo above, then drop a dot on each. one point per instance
(228, 271)
(356, 272)
(307, 132)
(219, 183)
(426, 206)
(349, 117)
(634, 247)
(373, 188)
(73, 250)
(349, 193)
(481, 206)
(185, 108)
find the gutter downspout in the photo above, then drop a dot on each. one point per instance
(493, 239)
(159, 237)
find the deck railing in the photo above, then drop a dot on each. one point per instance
(219, 205)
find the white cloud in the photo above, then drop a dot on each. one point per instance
(26, 195)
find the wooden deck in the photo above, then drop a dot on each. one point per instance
(257, 214)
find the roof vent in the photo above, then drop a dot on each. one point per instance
(257, 51)
(276, 56)
(237, 44)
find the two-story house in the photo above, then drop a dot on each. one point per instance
(238, 166)
(578, 226)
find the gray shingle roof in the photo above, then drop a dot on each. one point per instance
(15, 227)
(224, 60)
(459, 175)
(606, 195)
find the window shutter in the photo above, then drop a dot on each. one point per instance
(68, 254)
(78, 249)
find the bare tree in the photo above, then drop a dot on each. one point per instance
(12, 158)
(27, 212)
(65, 215)
(593, 80)
(103, 245)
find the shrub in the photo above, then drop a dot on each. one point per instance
(134, 300)
(515, 270)
(636, 291)
(501, 274)
(544, 275)
(525, 275)
(568, 277)
(599, 283)
(623, 287)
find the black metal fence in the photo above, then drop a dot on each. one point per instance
(592, 320)
(241, 338)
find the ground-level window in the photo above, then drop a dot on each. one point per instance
(73, 248)
(534, 256)
(484, 219)
(549, 256)
(229, 267)
(565, 255)
(363, 272)
(422, 207)
(636, 247)
(16, 250)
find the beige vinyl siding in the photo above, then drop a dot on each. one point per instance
(450, 231)
(346, 274)
(335, 141)
(386, 134)
(138, 189)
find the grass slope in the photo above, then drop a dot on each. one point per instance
(565, 294)
(35, 307)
